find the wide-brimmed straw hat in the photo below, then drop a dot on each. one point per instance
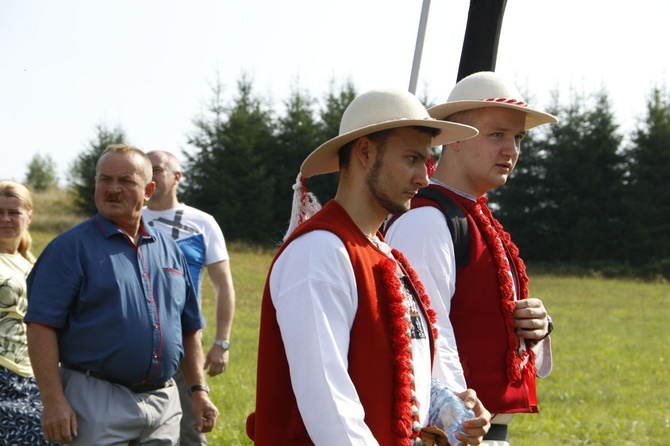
(488, 89)
(377, 110)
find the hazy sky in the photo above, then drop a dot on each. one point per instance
(147, 65)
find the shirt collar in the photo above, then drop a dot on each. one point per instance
(109, 228)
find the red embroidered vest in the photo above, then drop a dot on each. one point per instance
(482, 314)
(379, 358)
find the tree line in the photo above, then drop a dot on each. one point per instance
(586, 196)
(583, 197)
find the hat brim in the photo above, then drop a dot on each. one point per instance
(533, 117)
(325, 159)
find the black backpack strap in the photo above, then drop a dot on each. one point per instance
(457, 222)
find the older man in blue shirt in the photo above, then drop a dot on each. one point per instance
(113, 302)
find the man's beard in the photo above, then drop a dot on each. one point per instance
(372, 180)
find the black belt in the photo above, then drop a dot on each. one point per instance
(136, 388)
(497, 432)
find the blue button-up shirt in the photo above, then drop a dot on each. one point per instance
(118, 309)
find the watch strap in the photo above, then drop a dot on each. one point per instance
(198, 388)
(550, 327)
(223, 344)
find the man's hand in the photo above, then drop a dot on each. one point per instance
(205, 412)
(216, 361)
(59, 422)
(474, 429)
(530, 319)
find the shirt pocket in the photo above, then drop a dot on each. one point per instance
(175, 283)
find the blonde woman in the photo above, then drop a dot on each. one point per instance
(20, 405)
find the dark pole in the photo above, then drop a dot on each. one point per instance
(480, 44)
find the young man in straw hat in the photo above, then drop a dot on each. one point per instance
(346, 334)
(501, 358)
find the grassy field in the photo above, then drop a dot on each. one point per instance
(611, 379)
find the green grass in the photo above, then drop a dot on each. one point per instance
(234, 391)
(611, 379)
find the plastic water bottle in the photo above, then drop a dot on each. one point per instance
(447, 411)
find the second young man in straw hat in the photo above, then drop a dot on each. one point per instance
(501, 357)
(347, 335)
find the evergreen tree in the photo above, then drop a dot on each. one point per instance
(647, 241)
(298, 134)
(227, 176)
(82, 171)
(584, 184)
(41, 173)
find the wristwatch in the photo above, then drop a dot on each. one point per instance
(197, 388)
(550, 327)
(225, 345)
